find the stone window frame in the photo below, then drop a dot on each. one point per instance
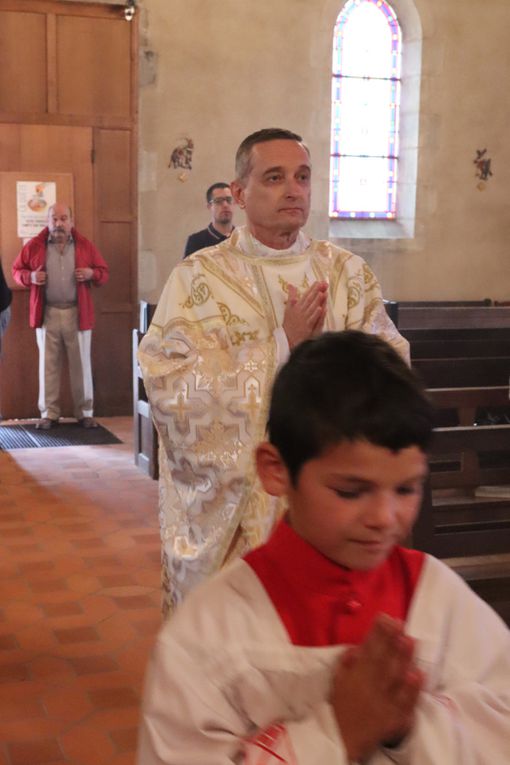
(403, 227)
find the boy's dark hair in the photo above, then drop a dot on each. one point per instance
(220, 185)
(346, 386)
(243, 154)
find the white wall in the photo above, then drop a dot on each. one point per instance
(215, 72)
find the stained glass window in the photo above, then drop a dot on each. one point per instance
(367, 52)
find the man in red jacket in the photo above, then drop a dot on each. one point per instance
(60, 265)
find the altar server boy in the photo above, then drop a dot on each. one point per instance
(332, 644)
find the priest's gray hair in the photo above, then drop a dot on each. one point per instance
(243, 154)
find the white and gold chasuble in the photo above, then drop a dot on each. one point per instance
(208, 361)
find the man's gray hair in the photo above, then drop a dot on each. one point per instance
(64, 204)
(243, 154)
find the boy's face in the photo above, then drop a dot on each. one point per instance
(354, 502)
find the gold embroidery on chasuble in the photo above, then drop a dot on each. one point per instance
(300, 290)
(253, 518)
(252, 399)
(337, 266)
(218, 441)
(354, 292)
(268, 311)
(259, 511)
(322, 267)
(269, 275)
(199, 294)
(228, 317)
(215, 371)
(236, 288)
(239, 338)
(234, 274)
(185, 475)
(369, 278)
(180, 408)
(376, 317)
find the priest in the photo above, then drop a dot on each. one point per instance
(226, 320)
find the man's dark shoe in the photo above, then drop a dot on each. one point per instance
(88, 422)
(46, 424)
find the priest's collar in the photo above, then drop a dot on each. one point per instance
(251, 246)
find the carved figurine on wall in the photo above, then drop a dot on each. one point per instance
(182, 155)
(483, 166)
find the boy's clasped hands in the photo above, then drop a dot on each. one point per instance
(376, 689)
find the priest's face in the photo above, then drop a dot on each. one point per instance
(276, 192)
(357, 500)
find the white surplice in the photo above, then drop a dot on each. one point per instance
(225, 685)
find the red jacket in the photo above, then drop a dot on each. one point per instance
(33, 255)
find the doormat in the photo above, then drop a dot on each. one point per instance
(64, 434)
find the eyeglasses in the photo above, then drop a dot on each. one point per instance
(219, 200)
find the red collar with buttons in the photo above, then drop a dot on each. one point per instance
(321, 603)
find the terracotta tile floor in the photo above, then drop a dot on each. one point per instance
(79, 601)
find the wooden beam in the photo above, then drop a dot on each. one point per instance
(74, 120)
(468, 317)
(479, 437)
(76, 8)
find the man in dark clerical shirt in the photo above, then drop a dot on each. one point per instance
(220, 203)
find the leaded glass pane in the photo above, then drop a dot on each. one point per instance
(368, 124)
(363, 44)
(370, 192)
(365, 111)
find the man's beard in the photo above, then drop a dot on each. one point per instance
(58, 233)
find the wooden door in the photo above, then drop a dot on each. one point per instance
(67, 105)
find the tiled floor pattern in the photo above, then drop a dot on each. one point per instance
(79, 601)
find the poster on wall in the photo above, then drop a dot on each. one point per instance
(33, 200)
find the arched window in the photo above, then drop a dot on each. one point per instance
(367, 52)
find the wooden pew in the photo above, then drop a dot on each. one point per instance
(461, 347)
(465, 402)
(465, 515)
(145, 435)
(463, 354)
(457, 465)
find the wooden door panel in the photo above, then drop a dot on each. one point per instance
(111, 362)
(10, 147)
(114, 242)
(68, 105)
(49, 151)
(19, 363)
(93, 66)
(23, 68)
(113, 177)
(64, 149)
